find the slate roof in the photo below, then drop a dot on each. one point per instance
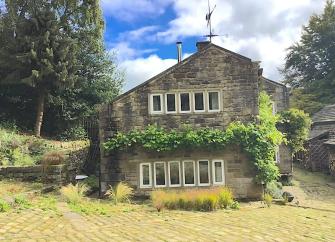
(273, 82)
(327, 114)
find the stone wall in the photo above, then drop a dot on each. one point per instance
(211, 68)
(277, 92)
(239, 171)
(279, 95)
(57, 174)
(331, 149)
(321, 127)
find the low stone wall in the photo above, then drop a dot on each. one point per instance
(57, 174)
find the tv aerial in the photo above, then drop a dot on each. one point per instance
(209, 23)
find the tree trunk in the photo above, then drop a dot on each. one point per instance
(40, 111)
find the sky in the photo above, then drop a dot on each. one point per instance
(143, 33)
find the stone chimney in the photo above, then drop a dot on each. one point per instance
(202, 44)
(179, 53)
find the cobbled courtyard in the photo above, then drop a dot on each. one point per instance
(311, 217)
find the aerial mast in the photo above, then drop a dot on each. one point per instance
(209, 22)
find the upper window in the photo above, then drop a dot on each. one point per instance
(159, 174)
(203, 172)
(156, 103)
(174, 173)
(199, 102)
(171, 103)
(213, 101)
(185, 105)
(188, 170)
(274, 108)
(218, 172)
(277, 156)
(145, 175)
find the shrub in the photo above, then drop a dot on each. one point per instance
(199, 200)
(157, 199)
(267, 198)
(274, 188)
(92, 182)
(4, 206)
(74, 133)
(36, 147)
(235, 205)
(53, 158)
(21, 159)
(74, 193)
(121, 193)
(296, 125)
(225, 198)
(21, 201)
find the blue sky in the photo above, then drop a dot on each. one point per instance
(143, 33)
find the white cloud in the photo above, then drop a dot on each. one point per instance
(141, 69)
(132, 10)
(142, 34)
(124, 51)
(261, 30)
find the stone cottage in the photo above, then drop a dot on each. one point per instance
(211, 88)
(320, 148)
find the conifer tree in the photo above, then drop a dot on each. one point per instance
(41, 43)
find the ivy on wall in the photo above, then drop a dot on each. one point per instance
(259, 140)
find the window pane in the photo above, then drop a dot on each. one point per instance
(156, 103)
(171, 102)
(174, 173)
(189, 172)
(146, 174)
(213, 100)
(185, 102)
(218, 171)
(160, 174)
(199, 101)
(203, 172)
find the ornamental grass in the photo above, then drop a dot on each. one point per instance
(195, 199)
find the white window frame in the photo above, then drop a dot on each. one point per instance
(152, 103)
(203, 100)
(169, 174)
(141, 176)
(219, 100)
(209, 175)
(155, 163)
(277, 154)
(214, 175)
(194, 175)
(190, 102)
(175, 103)
(274, 107)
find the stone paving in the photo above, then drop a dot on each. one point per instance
(312, 219)
(250, 223)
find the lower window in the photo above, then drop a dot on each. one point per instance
(159, 174)
(203, 172)
(218, 172)
(174, 173)
(145, 175)
(188, 170)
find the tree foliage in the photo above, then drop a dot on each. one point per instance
(296, 125)
(310, 62)
(259, 140)
(53, 50)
